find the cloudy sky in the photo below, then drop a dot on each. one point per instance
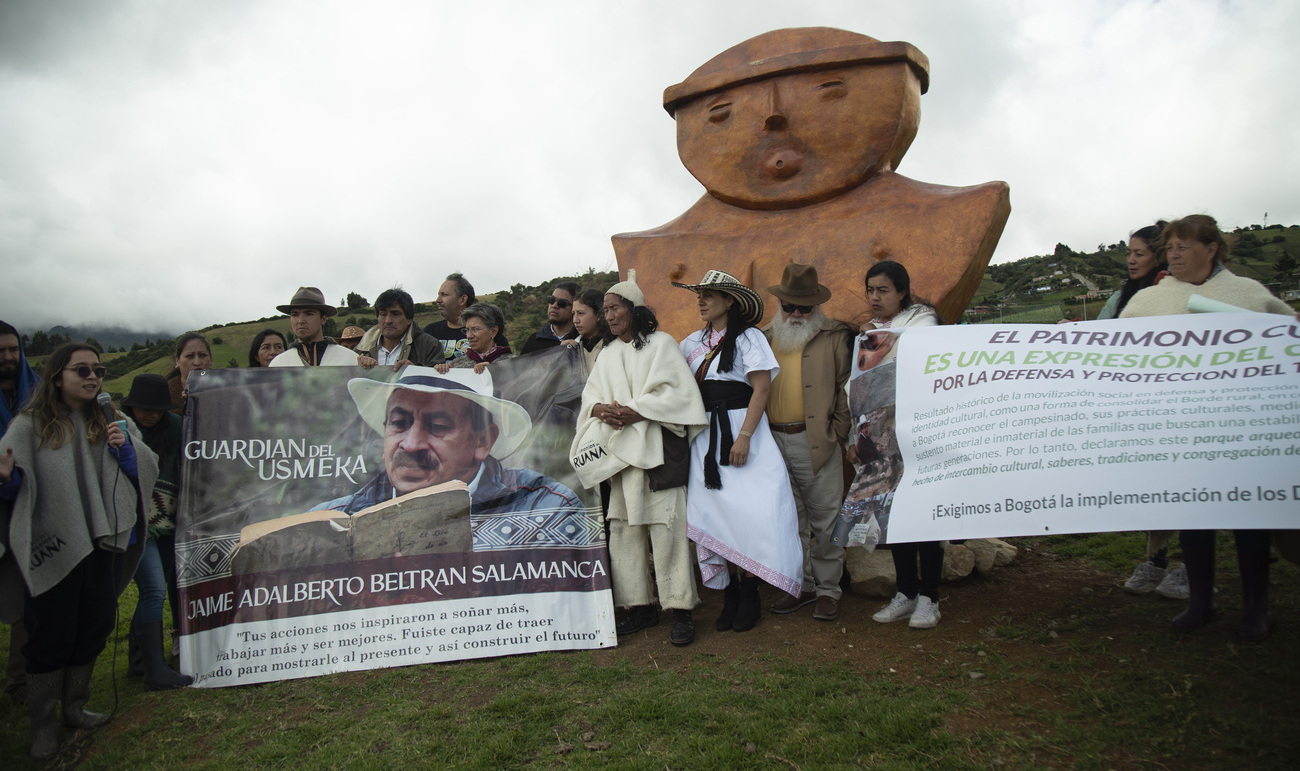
(169, 165)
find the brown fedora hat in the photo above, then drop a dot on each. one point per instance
(799, 286)
(308, 297)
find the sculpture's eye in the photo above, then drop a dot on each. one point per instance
(831, 89)
(719, 113)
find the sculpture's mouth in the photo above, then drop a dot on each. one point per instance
(783, 163)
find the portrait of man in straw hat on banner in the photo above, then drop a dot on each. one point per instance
(441, 427)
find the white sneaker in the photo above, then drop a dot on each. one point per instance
(1175, 585)
(926, 615)
(898, 609)
(1145, 578)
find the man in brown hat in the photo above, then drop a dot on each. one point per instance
(809, 414)
(307, 313)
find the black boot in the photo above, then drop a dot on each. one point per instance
(638, 617)
(1198, 557)
(683, 632)
(750, 607)
(157, 675)
(76, 692)
(730, 602)
(42, 694)
(134, 655)
(1254, 626)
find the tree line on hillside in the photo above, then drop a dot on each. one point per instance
(1267, 253)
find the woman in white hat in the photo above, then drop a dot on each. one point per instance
(740, 509)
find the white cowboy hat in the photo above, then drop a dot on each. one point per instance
(371, 397)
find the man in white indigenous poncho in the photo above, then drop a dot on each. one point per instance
(640, 394)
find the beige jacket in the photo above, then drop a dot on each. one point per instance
(825, 365)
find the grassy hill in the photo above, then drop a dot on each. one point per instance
(524, 308)
(1041, 289)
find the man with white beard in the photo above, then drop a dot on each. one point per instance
(809, 414)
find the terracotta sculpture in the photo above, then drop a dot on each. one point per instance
(796, 135)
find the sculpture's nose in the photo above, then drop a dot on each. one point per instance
(775, 120)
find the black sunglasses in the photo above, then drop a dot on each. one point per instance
(558, 302)
(83, 370)
(804, 309)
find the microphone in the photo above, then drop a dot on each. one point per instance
(106, 404)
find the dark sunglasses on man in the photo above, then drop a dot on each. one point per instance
(558, 302)
(84, 370)
(804, 309)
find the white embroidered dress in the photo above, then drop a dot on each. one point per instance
(751, 522)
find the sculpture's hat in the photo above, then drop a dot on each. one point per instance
(800, 49)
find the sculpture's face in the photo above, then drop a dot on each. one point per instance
(797, 138)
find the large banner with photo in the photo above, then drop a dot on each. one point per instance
(334, 519)
(1161, 423)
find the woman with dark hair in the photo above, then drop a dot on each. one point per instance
(638, 407)
(740, 508)
(1146, 260)
(149, 404)
(76, 483)
(193, 354)
(889, 296)
(485, 327)
(266, 346)
(589, 320)
(1197, 252)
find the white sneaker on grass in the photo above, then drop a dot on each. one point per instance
(898, 609)
(1145, 578)
(1174, 586)
(926, 615)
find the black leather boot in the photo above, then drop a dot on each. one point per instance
(1198, 557)
(730, 602)
(638, 617)
(1254, 626)
(683, 631)
(750, 606)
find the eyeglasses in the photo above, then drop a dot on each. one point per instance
(558, 302)
(804, 309)
(84, 370)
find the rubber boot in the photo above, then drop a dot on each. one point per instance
(42, 694)
(1198, 558)
(730, 602)
(76, 692)
(157, 675)
(1254, 626)
(750, 607)
(134, 654)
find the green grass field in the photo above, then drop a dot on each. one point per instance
(1055, 669)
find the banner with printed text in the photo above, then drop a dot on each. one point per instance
(1164, 423)
(334, 519)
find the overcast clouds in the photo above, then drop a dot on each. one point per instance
(173, 164)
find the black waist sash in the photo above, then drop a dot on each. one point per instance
(720, 396)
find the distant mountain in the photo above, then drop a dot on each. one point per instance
(110, 337)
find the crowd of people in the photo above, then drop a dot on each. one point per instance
(721, 456)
